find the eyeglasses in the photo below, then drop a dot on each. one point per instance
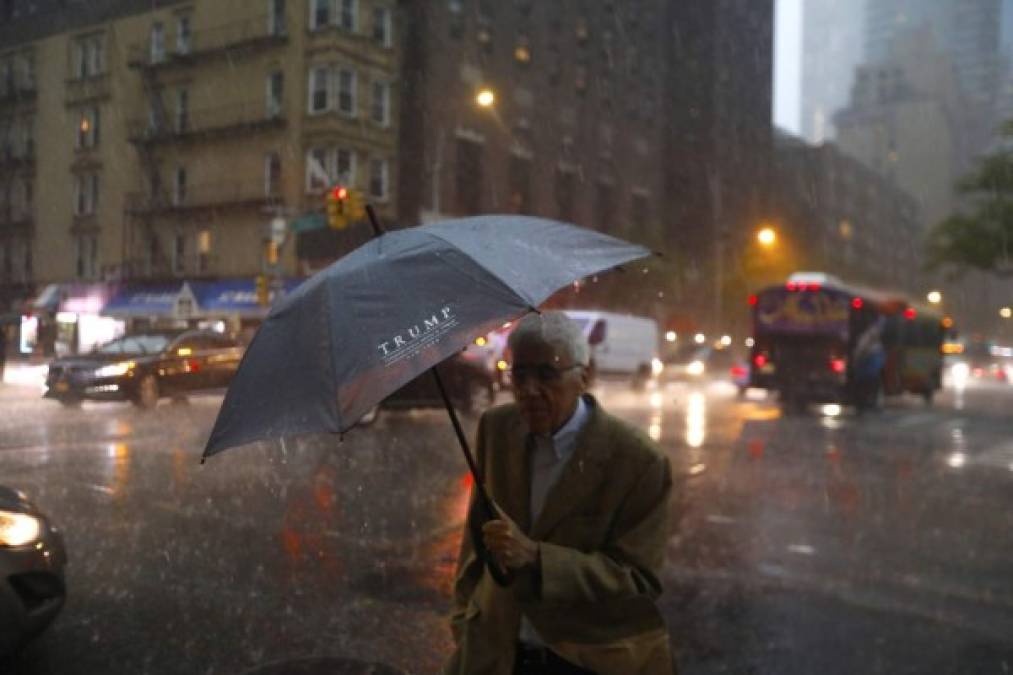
(543, 373)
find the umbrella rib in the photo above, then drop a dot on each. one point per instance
(503, 285)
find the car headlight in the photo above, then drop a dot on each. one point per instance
(18, 529)
(960, 371)
(115, 369)
(657, 366)
(695, 368)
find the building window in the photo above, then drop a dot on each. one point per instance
(87, 256)
(179, 253)
(275, 93)
(87, 129)
(349, 14)
(640, 209)
(519, 177)
(468, 178)
(522, 51)
(86, 193)
(378, 179)
(276, 17)
(28, 71)
(604, 206)
(566, 194)
(183, 34)
(272, 174)
(380, 108)
(89, 57)
(346, 91)
(318, 89)
(317, 176)
(182, 110)
(203, 251)
(320, 14)
(179, 186)
(382, 28)
(344, 167)
(456, 18)
(157, 42)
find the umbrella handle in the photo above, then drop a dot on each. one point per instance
(484, 512)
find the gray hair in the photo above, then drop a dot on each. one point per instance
(555, 329)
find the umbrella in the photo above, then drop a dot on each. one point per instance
(393, 308)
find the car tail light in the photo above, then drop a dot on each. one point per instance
(760, 360)
(738, 371)
(838, 365)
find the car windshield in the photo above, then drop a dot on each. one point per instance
(783, 230)
(136, 344)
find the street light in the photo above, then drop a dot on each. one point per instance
(935, 297)
(767, 237)
(1006, 312)
(485, 98)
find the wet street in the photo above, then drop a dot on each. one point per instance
(819, 543)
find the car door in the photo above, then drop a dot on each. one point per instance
(223, 359)
(185, 365)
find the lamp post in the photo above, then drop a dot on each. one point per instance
(485, 98)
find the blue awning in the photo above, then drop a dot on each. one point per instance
(144, 300)
(192, 299)
(233, 296)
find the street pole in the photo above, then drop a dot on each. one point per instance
(717, 228)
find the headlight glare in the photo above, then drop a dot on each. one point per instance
(18, 529)
(115, 369)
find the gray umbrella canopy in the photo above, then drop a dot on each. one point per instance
(403, 302)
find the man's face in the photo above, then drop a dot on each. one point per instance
(546, 385)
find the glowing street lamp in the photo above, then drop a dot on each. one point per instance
(935, 297)
(767, 237)
(485, 98)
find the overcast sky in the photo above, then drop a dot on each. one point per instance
(788, 64)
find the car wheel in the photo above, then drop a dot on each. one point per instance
(147, 392)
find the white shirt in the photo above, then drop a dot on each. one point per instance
(549, 456)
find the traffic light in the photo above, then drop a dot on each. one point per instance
(356, 206)
(263, 292)
(337, 207)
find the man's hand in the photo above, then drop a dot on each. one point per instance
(512, 548)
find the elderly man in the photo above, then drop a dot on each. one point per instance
(584, 506)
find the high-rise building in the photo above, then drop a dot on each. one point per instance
(968, 31)
(831, 49)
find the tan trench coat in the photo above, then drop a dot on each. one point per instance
(602, 536)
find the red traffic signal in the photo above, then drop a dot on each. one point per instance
(339, 192)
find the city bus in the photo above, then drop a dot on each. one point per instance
(804, 337)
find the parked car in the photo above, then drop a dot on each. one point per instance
(145, 367)
(32, 562)
(469, 382)
(621, 344)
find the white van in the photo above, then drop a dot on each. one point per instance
(621, 344)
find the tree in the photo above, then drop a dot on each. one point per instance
(982, 238)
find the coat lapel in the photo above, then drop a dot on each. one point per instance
(513, 494)
(581, 476)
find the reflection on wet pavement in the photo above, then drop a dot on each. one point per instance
(795, 535)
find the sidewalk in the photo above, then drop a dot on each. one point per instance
(23, 379)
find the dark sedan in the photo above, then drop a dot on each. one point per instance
(145, 367)
(32, 561)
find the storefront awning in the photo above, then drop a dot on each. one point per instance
(137, 300)
(192, 299)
